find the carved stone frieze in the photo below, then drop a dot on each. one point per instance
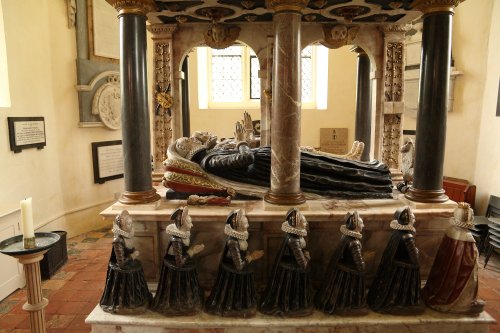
(338, 35)
(429, 6)
(393, 80)
(71, 9)
(395, 28)
(133, 6)
(220, 36)
(391, 140)
(162, 93)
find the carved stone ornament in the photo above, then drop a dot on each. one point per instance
(220, 36)
(287, 5)
(71, 6)
(107, 103)
(429, 6)
(133, 6)
(394, 72)
(338, 35)
(391, 140)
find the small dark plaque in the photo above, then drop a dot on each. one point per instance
(26, 132)
(107, 158)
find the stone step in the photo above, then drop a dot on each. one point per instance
(151, 322)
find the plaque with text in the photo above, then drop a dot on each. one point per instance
(107, 158)
(333, 140)
(26, 132)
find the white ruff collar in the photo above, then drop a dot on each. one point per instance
(228, 231)
(396, 226)
(117, 230)
(172, 230)
(352, 233)
(291, 230)
(466, 225)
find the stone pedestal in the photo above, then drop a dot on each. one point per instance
(151, 322)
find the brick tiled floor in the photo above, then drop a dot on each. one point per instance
(76, 288)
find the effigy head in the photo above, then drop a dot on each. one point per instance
(237, 220)
(339, 33)
(353, 221)
(123, 225)
(295, 219)
(188, 147)
(403, 219)
(181, 218)
(463, 216)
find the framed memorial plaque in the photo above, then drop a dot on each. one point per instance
(26, 132)
(107, 158)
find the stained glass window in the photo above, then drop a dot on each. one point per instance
(227, 74)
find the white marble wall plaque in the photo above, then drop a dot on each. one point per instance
(26, 132)
(108, 160)
(106, 30)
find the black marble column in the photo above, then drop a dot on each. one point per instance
(432, 108)
(135, 114)
(363, 129)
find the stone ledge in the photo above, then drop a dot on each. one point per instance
(151, 322)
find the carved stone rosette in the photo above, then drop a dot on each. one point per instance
(162, 83)
(392, 139)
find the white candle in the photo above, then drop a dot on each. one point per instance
(27, 218)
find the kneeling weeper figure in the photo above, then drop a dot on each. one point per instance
(233, 294)
(452, 285)
(288, 291)
(178, 292)
(126, 290)
(343, 290)
(396, 287)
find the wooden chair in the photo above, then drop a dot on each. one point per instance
(492, 241)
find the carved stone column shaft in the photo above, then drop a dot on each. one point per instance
(285, 118)
(363, 128)
(432, 109)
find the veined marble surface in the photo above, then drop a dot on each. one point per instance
(260, 211)
(151, 322)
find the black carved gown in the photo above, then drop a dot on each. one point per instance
(343, 289)
(233, 294)
(178, 291)
(396, 287)
(126, 290)
(288, 291)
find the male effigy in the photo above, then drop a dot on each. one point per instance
(288, 291)
(126, 290)
(396, 287)
(178, 289)
(452, 285)
(343, 289)
(233, 294)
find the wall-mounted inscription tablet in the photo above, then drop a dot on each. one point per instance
(107, 158)
(26, 132)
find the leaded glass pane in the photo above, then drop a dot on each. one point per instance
(307, 74)
(254, 78)
(227, 74)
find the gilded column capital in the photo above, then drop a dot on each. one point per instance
(436, 6)
(139, 7)
(161, 31)
(287, 5)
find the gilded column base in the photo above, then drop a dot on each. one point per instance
(427, 196)
(137, 198)
(285, 198)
